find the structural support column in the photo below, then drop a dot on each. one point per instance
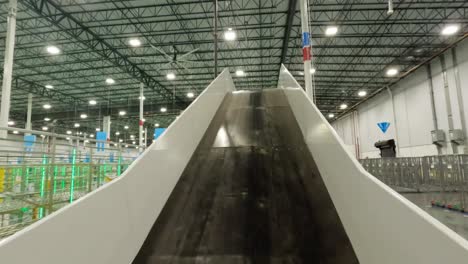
(146, 137)
(28, 115)
(397, 140)
(448, 103)
(8, 67)
(433, 107)
(306, 49)
(461, 105)
(141, 122)
(215, 34)
(106, 126)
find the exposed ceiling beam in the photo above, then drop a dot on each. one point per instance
(74, 28)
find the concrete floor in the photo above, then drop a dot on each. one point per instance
(456, 221)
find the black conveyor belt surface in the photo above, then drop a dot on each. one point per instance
(250, 194)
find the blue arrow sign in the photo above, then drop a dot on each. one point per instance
(383, 126)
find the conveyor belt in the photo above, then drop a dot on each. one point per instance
(250, 194)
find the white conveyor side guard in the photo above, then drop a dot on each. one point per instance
(110, 224)
(383, 226)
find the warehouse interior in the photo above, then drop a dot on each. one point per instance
(234, 131)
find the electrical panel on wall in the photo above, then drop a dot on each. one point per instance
(438, 137)
(457, 136)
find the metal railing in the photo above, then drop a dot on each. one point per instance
(41, 172)
(444, 177)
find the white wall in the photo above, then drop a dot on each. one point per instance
(410, 112)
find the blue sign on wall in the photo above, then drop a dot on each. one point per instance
(101, 137)
(29, 141)
(383, 126)
(158, 131)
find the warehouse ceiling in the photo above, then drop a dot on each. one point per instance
(98, 40)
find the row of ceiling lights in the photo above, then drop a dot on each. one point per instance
(390, 72)
(53, 50)
(230, 35)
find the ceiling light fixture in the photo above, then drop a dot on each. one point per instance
(45, 128)
(230, 35)
(47, 106)
(134, 42)
(190, 95)
(69, 132)
(83, 116)
(125, 127)
(15, 132)
(91, 136)
(331, 31)
(46, 119)
(331, 115)
(11, 123)
(76, 125)
(163, 109)
(92, 102)
(156, 125)
(362, 93)
(343, 106)
(98, 129)
(170, 76)
(392, 72)
(53, 50)
(312, 70)
(122, 113)
(110, 81)
(49, 86)
(390, 7)
(240, 73)
(450, 30)
(117, 133)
